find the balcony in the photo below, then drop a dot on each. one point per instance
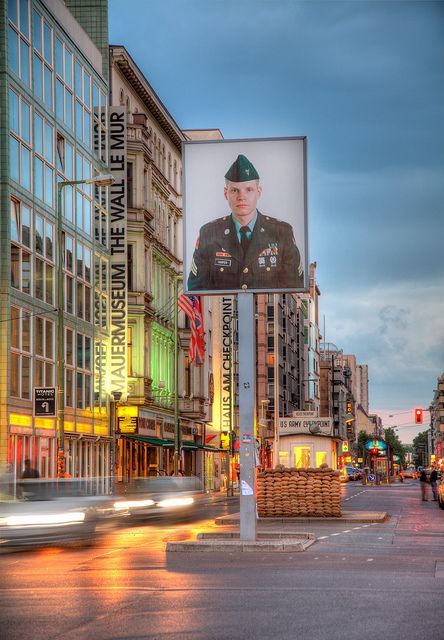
(138, 389)
(193, 408)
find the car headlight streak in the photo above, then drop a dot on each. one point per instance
(55, 519)
(132, 504)
(175, 502)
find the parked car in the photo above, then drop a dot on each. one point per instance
(352, 473)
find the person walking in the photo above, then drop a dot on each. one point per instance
(423, 483)
(434, 484)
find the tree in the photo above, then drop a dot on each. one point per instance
(420, 445)
(397, 448)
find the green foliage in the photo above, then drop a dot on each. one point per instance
(392, 439)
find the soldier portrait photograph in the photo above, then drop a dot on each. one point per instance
(250, 247)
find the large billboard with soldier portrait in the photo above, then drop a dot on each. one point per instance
(245, 212)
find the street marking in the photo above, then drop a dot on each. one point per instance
(335, 534)
(322, 537)
(354, 528)
(369, 559)
(439, 570)
(347, 531)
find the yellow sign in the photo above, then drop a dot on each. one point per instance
(344, 447)
(20, 420)
(127, 419)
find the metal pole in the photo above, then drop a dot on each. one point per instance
(276, 380)
(247, 399)
(60, 337)
(175, 382)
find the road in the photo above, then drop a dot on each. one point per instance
(379, 581)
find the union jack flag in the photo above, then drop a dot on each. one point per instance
(192, 307)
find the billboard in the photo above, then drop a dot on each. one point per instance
(245, 214)
(118, 250)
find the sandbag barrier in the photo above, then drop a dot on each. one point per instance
(283, 492)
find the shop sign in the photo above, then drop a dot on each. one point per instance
(127, 419)
(305, 414)
(146, 423)
(45, 402)
(227, 395)
(310, 426)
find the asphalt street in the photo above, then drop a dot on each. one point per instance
(376, 581)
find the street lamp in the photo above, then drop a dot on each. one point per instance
(103, 180)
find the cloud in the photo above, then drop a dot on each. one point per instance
(398, 331)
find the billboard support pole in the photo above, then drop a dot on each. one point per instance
(247, 399)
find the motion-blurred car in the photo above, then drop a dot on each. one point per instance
(409, 473)
(344, 477)
(54, 511)
(149, 497)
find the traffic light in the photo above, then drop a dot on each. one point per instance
(418, 416)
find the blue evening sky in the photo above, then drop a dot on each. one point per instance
(364, 81)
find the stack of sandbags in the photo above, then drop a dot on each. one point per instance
(283, 492)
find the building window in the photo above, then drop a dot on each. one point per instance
(44, 352)
(18, 39)
(84, 282)
(83, 194)
(64, 83)
(19, 139)
(44, 260)
(20, 374)
(129, 352)
(101, 293)
(130, 266)
(42, 60)
(101, 215)
(82, 109)
(44, 160)
(99, 123)
(21, 273)
(83, 381)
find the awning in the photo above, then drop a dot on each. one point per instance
(158, 442)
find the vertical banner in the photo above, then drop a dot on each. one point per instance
(227, 377)
(118, 251)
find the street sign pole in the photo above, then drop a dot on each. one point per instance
(247, 398)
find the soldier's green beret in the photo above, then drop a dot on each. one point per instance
(241, 170)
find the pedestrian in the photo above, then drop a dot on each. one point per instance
(30, 472)
(423, 483)
(245, 249)
(434, 484)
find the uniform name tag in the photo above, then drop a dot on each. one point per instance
(222, 262)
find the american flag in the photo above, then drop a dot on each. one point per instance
(192, 307)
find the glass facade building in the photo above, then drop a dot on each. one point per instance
(54, 99)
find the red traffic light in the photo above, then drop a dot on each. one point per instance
(418, 416)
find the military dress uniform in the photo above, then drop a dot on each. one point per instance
(271, 261)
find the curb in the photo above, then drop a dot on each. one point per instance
(229, 541)
(347, 516)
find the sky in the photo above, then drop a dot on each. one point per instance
(364, 81)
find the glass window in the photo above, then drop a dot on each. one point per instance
(37, 30)
(86, 88)
(14, 123)
(15, 328)
(38, 178)
(49, 239)
(69, 347)
(48, 87)
(26, 272)
(14, 165)
(58, 57)
(13, 51)
(49, 154)
(49, 186)
(49, 339)
(38, 76)
(47, 34)
(26, 225)
(26, 377)
(39, 284)
(15, 220)
(24, 61)
(25, 122)
(68, 109)
(38, 336)
(68, 68)
(26, 331)
(24, 17)
(15, 267)
(15, 375)
(38, 133)
(49, 284)
(12, 11)
(79, 351)
(59, 99)
(78, 79)
(25, 167)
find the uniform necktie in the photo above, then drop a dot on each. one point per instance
(244, 238)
